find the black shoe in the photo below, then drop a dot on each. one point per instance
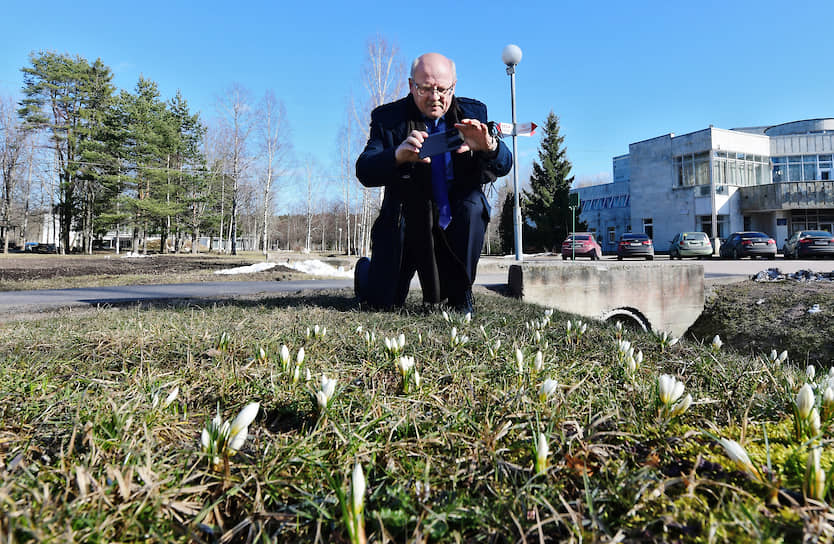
(360, 277)
(463, 303)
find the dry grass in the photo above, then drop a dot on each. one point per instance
(84, 456)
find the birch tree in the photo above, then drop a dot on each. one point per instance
(384, 77)
(274, 140)
(236, 111)
(13, 145)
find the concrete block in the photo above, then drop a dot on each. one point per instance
(658, 296)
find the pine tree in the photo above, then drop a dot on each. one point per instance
(67, 97)
(546, 203)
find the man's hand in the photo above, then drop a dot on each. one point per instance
(476, 136)
(409, 150)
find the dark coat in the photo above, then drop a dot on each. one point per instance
(408, 217)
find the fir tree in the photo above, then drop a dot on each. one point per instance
(506, 232)
(546, 203)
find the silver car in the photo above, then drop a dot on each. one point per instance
(690, 244)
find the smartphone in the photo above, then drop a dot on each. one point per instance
(441, 142)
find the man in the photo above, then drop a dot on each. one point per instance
(434, 214)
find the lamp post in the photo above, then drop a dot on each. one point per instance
(511, 55)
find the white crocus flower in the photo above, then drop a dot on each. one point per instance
(716, 342)
(416, 378)
(631, 364)
(519, 359)
(811, 372)
(538, 362)
(548, 313)
(828, 399)
(172, 396)
(467, 318)
(814, 425)
(296, 374)
(308, 376)
(357, 490)
(669, 389)
(682, 406)
(547, 389)
(542, 451)
(805, 401)
(405, 365)
(445, 315)
(738, 455)
(285, 356)
(240, 426)
(483, 331)
(815, 475)
(300, 357)
(326, 391)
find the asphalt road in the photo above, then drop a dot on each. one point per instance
(492, 271)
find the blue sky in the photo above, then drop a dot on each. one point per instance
(614, 72)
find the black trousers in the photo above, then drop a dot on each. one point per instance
(456, 251)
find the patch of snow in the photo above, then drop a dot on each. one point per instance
(133, 255)
(312, 267)
(319, 268)
(257, 267)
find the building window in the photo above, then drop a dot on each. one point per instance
(612, 235)
(647, 227)
(705, 225)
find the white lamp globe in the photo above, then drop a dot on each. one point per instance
(511, 55)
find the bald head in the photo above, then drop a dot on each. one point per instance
(432, 84)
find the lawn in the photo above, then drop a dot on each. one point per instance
(522, 426)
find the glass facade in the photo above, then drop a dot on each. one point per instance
(801, 168)
(728, 168)
(739, 169)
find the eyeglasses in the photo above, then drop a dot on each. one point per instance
(425, 90)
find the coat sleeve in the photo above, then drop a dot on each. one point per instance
(377, 165)
(493, 166)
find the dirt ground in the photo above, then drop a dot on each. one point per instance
(32, 267)
(755, 317)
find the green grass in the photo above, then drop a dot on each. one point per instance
(85, 457)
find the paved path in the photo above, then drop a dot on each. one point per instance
(492, 272)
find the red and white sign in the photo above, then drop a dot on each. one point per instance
(522, 129)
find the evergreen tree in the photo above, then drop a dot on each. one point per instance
(506, 232)
(546, 203)
(67, 96)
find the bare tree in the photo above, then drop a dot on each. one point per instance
(235, 108)
(384, 77)
(308, 176)
(13, 145)
(274, 140)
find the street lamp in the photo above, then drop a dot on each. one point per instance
(511, 57)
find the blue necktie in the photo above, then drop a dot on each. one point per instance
(438, 183)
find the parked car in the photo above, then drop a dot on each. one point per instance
(690, 244)
(581, 244)
(748, 244)
(635, 245)
(809, 243)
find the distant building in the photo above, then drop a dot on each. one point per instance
(775, 179)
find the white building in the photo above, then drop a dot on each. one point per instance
(775, 179)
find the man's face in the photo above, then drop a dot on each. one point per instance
(433, 85)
